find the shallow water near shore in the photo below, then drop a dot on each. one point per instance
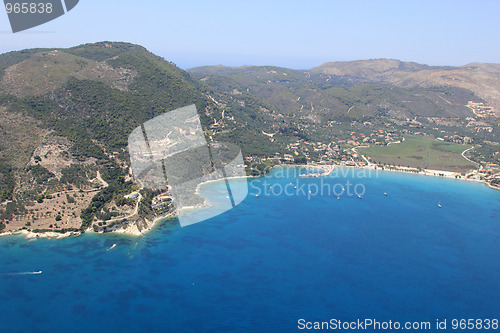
(271, 261)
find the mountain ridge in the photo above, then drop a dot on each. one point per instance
(479, 78)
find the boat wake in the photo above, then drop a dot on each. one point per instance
(22, 273)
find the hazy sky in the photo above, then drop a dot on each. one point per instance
(296, 34)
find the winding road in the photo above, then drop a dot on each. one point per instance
(463, 155)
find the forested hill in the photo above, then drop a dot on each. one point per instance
(64, 110)
(66, 114)
(103, 90)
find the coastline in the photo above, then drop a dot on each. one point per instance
(393, 168)
(435, 173)
(134, 229)
(48, 234)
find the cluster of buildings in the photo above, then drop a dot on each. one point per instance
(481, 110)
(478, 125)
(161, 201)
(340, 149)
(458, 139)
(489, 173)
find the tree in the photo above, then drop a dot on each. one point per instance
(70, 198)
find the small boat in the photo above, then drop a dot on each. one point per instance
(256, 195)
(338, 198)
(385, 193)
(439, 205)
(360, 196)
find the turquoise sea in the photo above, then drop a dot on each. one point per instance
(271, 261)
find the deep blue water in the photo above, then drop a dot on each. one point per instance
(271, 261)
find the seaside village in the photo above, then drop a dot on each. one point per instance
(344, 153)
(341, 152)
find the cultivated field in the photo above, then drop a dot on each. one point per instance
(414, 150)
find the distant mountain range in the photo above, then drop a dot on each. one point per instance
(480, 78)
(376, 87)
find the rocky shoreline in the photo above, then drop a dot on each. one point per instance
(134, 228)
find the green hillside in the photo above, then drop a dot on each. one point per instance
(84, 101)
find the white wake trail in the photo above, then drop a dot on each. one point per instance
(22, 273)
